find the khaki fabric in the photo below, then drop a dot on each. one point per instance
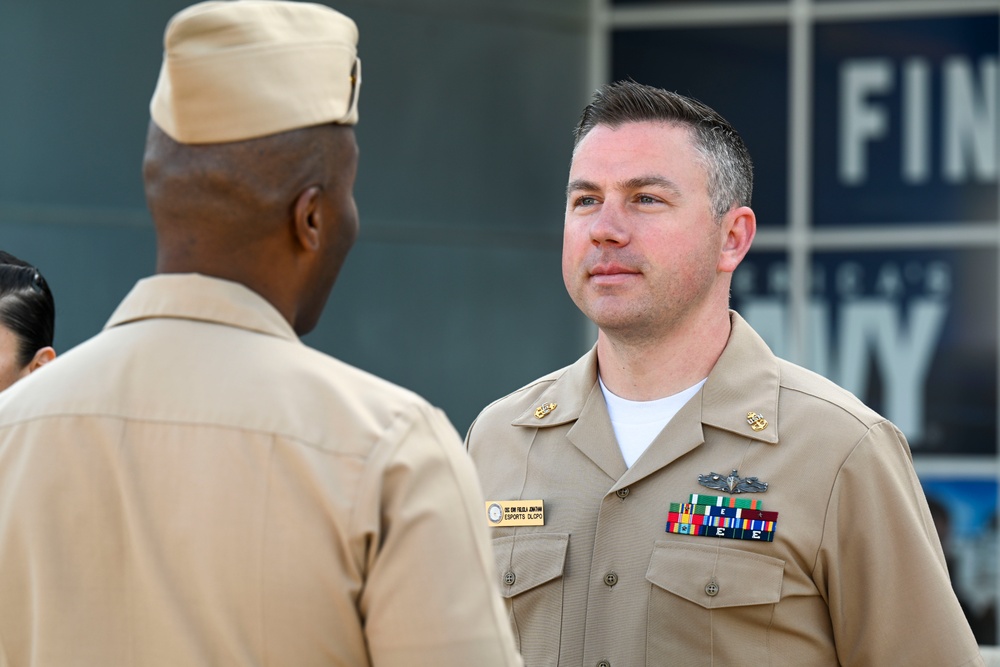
(194, 486)
(855, 574)
(239, 70)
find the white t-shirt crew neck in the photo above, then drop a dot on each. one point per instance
(637, 423)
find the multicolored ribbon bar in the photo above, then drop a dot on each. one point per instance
(719, 531)
(723, 521)
(725, 501)
(743, 513)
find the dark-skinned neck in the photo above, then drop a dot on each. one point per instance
(265, 272)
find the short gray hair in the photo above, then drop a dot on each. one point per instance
(727, 160)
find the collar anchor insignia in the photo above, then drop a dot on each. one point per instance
(544, 409)
(732, 483)
(756, 421)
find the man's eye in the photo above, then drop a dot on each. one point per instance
(586, 200)
(646, 199)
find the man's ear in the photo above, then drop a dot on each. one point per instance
(42, 357)
(307, 218)
(739, 226)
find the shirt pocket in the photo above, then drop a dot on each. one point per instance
(530, 568)
(710, 604)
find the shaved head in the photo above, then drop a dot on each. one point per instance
(242, 210)
(239, 190)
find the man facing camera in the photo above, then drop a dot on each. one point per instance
(691, 499)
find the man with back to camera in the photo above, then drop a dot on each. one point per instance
(194, 486)
(697, 501)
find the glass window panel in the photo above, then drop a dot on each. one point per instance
(905, 121)
(741, 73)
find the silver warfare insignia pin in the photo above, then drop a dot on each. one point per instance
(732, 483)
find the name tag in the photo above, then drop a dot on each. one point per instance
(501, 513)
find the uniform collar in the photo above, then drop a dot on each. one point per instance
(196, 297)
(570, 391)
(744, 379)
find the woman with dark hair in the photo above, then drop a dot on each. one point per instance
(27, 320)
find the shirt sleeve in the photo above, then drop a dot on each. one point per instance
(881, 565)
(430, 595)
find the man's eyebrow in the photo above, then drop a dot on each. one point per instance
(636, 183)
(640, 182)
(580, 184)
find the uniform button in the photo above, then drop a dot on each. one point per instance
(509, 578)
(611, 579)
(622, 493)
(604, 663)
(712, 588)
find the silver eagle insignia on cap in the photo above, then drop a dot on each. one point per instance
(732, 483)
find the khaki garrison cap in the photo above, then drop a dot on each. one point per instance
(241, 69)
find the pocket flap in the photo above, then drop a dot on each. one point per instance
(529, 559)
(741, 577)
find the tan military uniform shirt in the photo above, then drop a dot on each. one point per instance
(194, 486)
(855, 574)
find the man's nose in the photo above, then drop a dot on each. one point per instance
(609, 225)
